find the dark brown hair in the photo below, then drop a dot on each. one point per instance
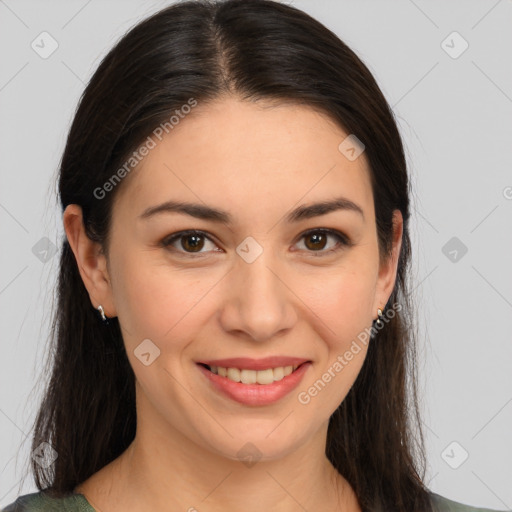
(252, 49)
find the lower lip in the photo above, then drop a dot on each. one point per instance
(256, 394)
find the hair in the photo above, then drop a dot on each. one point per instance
(206, 50)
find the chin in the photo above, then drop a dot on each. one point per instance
(259, 443)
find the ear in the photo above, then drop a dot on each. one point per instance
(388, 269)
(92, 263)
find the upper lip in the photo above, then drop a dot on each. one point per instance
(255, 364)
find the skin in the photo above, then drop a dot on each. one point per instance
(257, 161)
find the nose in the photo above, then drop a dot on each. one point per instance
(259, 303)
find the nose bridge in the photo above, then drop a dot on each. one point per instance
(259, 302)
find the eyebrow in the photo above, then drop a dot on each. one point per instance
(213, 214)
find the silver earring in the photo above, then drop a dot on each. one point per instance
(379, 322)
(102, 313)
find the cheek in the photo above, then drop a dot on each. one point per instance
(343, 299)
(148, 300)
(343, 306)
(155, 301)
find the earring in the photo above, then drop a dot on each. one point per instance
(379, 322)
(102, 313)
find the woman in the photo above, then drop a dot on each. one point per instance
(233, 327)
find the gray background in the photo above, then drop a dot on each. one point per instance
(455, 115)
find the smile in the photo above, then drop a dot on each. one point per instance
(254, 387)
(246, 376)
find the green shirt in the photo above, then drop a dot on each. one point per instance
(38, 502)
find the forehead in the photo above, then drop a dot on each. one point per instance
(248, 157)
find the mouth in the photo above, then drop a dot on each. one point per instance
(263, 383)
(248, 376)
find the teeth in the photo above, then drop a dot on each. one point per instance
(254, 376)
(249, 376)
(233, 374)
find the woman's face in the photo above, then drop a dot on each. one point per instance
(252, 283)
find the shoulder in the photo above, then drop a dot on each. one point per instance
(442, 504)
(40, 502)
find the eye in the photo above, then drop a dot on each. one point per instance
(316, 241)
(192, 241)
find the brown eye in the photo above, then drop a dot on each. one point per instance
(193, 243)
(187, 242)
(317, 240)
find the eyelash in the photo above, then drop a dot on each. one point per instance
(343, 241)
